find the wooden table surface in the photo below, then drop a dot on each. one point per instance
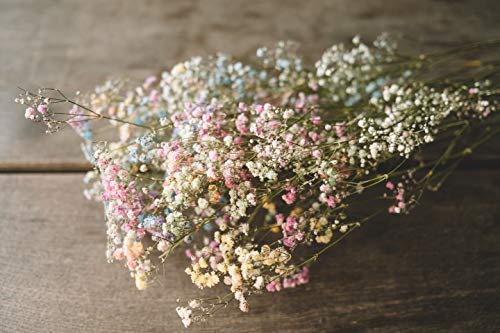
(436, 270)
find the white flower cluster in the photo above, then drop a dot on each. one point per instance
(351, 74)
(406, 118)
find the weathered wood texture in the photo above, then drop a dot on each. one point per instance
(433, 271)
(76, 44)
(436, 270)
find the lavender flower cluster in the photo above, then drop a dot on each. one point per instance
(242, 164)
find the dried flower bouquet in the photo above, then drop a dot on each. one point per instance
(243, 164)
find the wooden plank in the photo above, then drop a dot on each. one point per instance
(435, 270)
(74, 45)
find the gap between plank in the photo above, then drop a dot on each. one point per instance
(45, 167)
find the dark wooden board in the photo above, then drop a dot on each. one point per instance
(76, 44)
(433, 271)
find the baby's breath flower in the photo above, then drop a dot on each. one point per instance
(242, 164)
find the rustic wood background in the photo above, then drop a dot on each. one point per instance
(436, 270)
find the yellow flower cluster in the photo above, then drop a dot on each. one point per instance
(321, 228)
(202, 279)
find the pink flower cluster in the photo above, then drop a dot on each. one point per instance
(291, 231)
(401, 205)
(30, 112)
(291, 195)
(290, 282)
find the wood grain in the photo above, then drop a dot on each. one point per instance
(433, 271)
(74, 45)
